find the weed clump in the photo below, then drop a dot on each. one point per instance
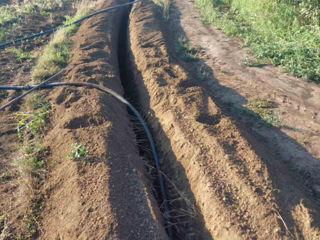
(185, 51)
(265, 109)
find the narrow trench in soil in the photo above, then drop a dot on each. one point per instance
(182, 226)
(131, 94)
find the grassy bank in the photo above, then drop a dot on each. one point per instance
(284, 32)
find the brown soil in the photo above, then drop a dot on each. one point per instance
(243, 190)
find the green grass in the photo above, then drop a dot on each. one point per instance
(37, 6)
(252, 63)
(266, 111)
(283, 32)
(261, 112)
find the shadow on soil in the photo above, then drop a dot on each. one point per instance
(295, 184)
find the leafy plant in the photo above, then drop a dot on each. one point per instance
(34, 120)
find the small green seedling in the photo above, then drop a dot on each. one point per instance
(79, 151)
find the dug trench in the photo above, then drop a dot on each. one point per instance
(185, 220)
(237, 188)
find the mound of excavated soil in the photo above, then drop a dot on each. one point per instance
(242, 190)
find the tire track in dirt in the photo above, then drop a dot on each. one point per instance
(234, 187)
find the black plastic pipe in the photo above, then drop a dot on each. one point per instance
(51, 30)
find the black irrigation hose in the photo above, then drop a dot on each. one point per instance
(51, 30)
(31, 88)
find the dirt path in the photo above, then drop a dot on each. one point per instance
(242, 189)
(298, 101)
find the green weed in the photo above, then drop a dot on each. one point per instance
(265, 110)
(57, 52)
(6, 176)
(2, 222)
(185, 51)
(79, 151)
(201, 76)
(20, 54)
(6, 15)
(34, 121)
(33, 160)
(260, 111)
(285, 33)
(11, 14)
